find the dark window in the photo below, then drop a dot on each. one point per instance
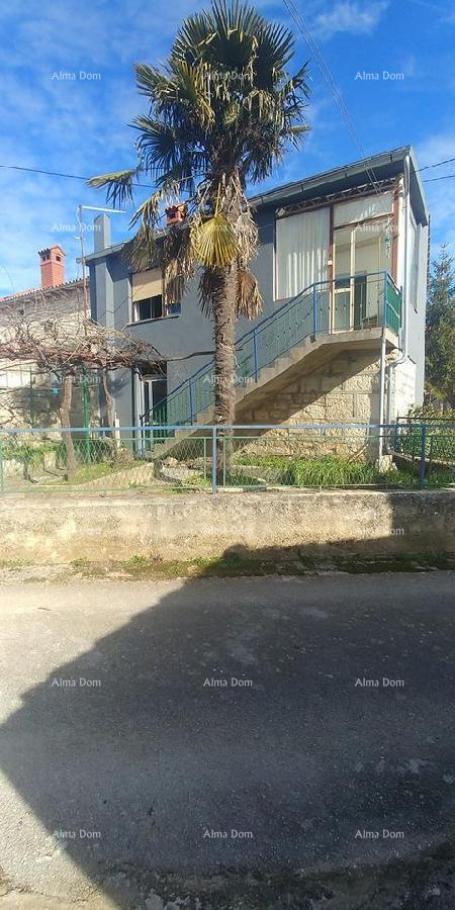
(149, 308)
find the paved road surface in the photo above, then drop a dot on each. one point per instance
(184, 725)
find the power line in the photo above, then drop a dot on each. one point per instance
(433, 179)
(438, 164)
(329, 78)
(327, 74)
(35, 170)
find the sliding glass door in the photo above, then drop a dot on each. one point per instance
(360, 253)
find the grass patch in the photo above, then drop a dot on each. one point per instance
(325, 471)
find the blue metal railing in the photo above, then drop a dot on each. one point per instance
(325, 307)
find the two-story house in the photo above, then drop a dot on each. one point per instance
(342, 267)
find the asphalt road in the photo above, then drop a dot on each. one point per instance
(246, 723)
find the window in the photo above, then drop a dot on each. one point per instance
(148, 308)
(147, 297)
(15, 378)
(302, 243)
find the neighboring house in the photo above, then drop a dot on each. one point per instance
(342, 267)
(30, 396)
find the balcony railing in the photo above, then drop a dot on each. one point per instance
(345, 304)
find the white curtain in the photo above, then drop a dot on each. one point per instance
(360, 209)
(302, 244)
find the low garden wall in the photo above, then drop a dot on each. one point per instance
(62, 528)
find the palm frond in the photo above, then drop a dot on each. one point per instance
(141, 251)
(150, 80)
(275, 46)
(118, 185)
(249, 300)
(157, 143)
(178, 262)
(214, 241)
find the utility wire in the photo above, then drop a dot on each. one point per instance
(438, 164)
(34, 170)
(327, 74)
(432, 179)
(329, 78)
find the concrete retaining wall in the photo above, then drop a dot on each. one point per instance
(61, 529)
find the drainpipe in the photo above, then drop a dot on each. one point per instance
(404, 301)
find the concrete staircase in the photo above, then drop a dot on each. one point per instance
(295, 340)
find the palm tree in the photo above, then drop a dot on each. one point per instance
(221, 114)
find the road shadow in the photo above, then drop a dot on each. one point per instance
(232, 723)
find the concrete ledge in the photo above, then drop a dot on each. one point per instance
(62, 528)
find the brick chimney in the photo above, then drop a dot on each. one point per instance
(175, 214)
(52, 266)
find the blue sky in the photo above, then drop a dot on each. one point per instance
(79, 126)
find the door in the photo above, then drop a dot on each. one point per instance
(342, 297)
(360, 259)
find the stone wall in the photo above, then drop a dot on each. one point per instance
(344, 390)
(59, 529)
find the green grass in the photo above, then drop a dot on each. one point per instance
(325, 471)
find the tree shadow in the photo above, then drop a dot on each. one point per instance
(222, 726)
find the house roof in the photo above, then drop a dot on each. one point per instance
(21, 295)
(374, 168)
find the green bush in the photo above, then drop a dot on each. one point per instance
(13, 448)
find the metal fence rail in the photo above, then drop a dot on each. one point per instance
(214, 458)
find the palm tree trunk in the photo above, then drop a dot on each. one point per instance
(224, 310)
(65, 410)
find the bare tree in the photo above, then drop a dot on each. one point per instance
(54, 347)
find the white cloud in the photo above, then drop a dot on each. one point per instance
(350, 16)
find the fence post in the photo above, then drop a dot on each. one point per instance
(214, 459)
(190, 387)
(430, 458)
(315, 311)
(423, 444)
(255, 351)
